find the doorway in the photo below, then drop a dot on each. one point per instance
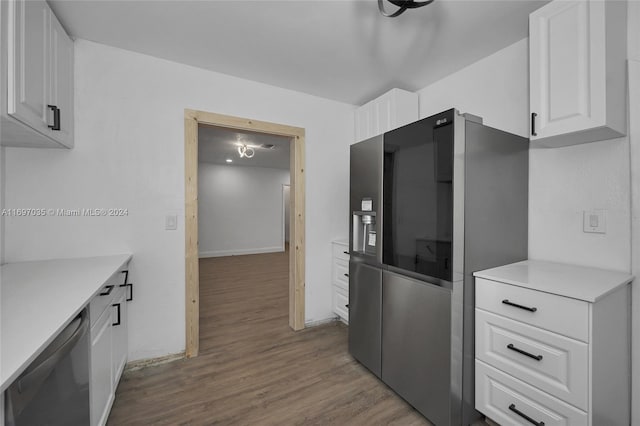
(192, 119)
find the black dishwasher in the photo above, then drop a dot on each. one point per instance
(54, 389)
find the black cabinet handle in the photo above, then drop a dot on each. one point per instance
(346, 306)
(346, 275)
(533, 124)
(515, 305)
(108, 291)
(345, 252)
(56, 117)
(525, 353)
(130, 298)
(117, 305)
(126, 278)
(126, 284)
(513, 408)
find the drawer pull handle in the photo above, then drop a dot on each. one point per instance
(525, 353)
(513, 408)
(346, 306)
(346, 252)
(126, 278)
(129, 298)
(56, 117)
(116, 305)
(526, 308)
(346, 275)
(108, 291)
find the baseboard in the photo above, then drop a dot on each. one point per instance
(151, 362)
(239, 252)
(317, 323)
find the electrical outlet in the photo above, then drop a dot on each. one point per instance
(595, 221)
(171, 222)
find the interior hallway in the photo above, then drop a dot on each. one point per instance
(253, 369)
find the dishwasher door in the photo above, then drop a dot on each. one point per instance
(54, 389)
(416, 344)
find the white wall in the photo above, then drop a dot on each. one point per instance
(2, 202)
(129, 153)
(240, 209)
(634, 138)
(562, 182)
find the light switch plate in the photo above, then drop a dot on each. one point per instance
(595, 221)
(171, 223)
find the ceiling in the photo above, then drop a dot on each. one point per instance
(342, 50)
(216, 145)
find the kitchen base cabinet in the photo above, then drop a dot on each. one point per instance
(552, 345)
(340, 280)
(109, 344)
(120, 336)
(101, 383)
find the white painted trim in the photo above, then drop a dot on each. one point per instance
(220, 253)
(284, 208)
(317, 323)
(152, 362)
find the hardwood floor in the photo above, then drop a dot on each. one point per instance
(253, 369)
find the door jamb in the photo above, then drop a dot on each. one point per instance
(192, 118)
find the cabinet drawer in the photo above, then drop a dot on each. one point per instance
(341, 274)
(340, 251)
(99, 303)
(569, 317)
(340, 302)
(553, 363)
(496, 392)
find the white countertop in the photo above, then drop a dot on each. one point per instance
(38, 299)
(577, 282)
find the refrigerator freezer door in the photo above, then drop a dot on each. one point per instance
(416, 344)
(365, 299)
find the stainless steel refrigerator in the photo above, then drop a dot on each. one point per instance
(431, 202)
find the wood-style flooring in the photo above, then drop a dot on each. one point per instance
(253, 369)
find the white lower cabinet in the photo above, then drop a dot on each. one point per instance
(552, 345)
(101, 388)
(507, 400)
(120, 336)
(109, 345)
(340, 279)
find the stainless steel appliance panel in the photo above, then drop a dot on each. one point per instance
(366, 182)
(416, 344)
(54, 389)
(365, 300)
(418, 197)
(495, 225)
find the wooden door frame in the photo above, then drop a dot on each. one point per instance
(192, 118)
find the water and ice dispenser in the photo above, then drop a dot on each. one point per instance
(364, 229)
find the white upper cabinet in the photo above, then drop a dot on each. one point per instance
(61, 88)
(387, 112)
(577, 53)
(38, 56)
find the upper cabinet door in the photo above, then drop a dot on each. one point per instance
(28, 63)
(61, 88)
(577, 59)
(387, 112)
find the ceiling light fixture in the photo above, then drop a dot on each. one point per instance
(403, 5)
(229, 160)
(245, 151)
